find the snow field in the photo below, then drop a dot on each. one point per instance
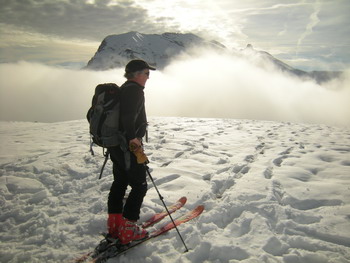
(273, 192)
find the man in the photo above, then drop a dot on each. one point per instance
(131, 170)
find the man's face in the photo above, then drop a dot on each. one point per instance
(143, 76)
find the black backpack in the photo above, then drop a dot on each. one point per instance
(103, 118)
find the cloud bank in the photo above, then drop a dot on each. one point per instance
(209, 86)
(35, 92)
(219, 86)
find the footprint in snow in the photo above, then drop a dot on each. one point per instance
(166, 179)
(268, 173)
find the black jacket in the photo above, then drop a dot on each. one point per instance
(132, 110)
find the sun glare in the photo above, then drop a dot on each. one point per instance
(206, 18)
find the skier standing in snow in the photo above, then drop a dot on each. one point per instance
(128, 167)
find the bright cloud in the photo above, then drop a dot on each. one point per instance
(210, 85)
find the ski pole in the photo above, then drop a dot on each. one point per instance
(106, 155)
(166, 208)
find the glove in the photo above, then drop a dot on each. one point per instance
(138, 152)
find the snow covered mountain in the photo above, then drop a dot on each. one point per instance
(319, 76)
(251, 53)
(158, 50)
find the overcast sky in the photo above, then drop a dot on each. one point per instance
(307, 34)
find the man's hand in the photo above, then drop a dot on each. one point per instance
(135, 143)
(136, 148)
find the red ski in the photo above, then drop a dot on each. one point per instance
(182, 219)
(116, 250)
(159, 216)
(151, 221)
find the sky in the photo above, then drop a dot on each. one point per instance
(306, 34)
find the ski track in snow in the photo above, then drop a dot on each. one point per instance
(273, 192)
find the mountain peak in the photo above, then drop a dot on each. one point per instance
(158, 50)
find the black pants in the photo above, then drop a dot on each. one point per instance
(135, 177)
